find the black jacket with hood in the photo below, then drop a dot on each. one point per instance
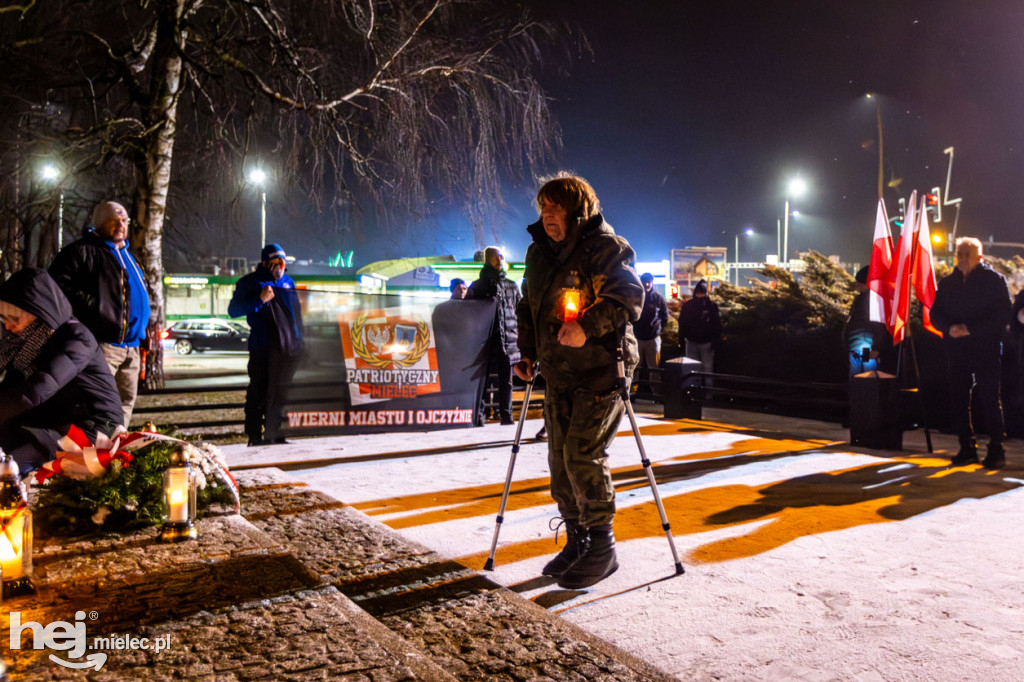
(71, 383)
(494, 285)
(96, 285)
(600, 264)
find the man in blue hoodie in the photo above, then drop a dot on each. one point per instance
(268, 299)
(108, 294)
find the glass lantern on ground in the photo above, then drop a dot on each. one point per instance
(180, 488)
(15, 530)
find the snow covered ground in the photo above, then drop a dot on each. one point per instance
(805, 558)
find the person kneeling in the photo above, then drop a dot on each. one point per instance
(54, 373)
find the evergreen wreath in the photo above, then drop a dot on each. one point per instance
(129, 494)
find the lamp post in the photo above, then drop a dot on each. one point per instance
(50, 173)
(259, 178)
(878, 114)
(795, 189)
(748, 232)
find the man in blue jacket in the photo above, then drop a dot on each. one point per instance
(108, 294)
(268, 299)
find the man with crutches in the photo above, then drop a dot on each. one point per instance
(582, 291)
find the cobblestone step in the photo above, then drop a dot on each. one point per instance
(300, 587)
(467, 624)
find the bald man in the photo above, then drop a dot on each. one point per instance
(972, 308)
(108, 294)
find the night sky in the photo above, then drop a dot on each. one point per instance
(691, 116)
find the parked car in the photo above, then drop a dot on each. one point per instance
(208, 334)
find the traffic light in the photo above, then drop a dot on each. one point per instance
(933, 204)
(673, 289)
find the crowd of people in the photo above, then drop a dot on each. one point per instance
(70, 351)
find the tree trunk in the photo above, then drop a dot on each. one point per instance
(154, 167)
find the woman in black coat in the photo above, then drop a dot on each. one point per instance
(54, 374)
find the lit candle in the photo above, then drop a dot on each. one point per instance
(11, 546)
(570, 305)
(177, 494)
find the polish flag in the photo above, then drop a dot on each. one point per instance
(924, 270)
(904, 263)
(880, 271)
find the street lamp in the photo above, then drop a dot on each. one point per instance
(51, 173)
(795, 189)
(750, 233)
(259, 178)
(878, 113)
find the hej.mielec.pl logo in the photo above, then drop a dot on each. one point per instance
(71, 637)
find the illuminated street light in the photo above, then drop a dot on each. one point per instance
(796, 188)
(878, 113)
(51, 173)
(750, 233)
(258, 177)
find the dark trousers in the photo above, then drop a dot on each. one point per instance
(980, 374)
(499, 364)
(270, 373)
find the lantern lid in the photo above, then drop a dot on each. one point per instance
(8, 467)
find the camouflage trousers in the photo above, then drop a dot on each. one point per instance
(581, 425)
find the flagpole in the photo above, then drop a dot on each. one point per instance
(913, 348)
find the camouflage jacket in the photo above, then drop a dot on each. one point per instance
(600, 264)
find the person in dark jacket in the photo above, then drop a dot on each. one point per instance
(54, 374)
(869, 343)
(648, 331)
(971, 309)
(504, 350)
(268, 300)
(700, 324)
(582, 294)
(108, 294)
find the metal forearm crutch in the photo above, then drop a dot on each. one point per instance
(489, 565)
(624, 392)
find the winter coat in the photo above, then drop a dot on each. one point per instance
(494, 285)
(106, 288)
(653, 318)
(275, 326)
(981, 301)
(600, 264)
(71, 383)
(700, 321)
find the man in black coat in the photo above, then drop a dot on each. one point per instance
(700, 324)
(494, 285)
(648, 330)
(107, 292)
(54, 373)
(972, 309)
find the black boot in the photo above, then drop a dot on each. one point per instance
(596, 563)
(996, 458)
(574, 533)
(968, 454)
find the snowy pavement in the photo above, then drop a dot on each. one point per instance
(805, 559)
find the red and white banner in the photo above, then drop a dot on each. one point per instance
(389, 353)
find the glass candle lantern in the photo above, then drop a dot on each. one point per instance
(570, 305)
(179, 500)
(15, 530)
